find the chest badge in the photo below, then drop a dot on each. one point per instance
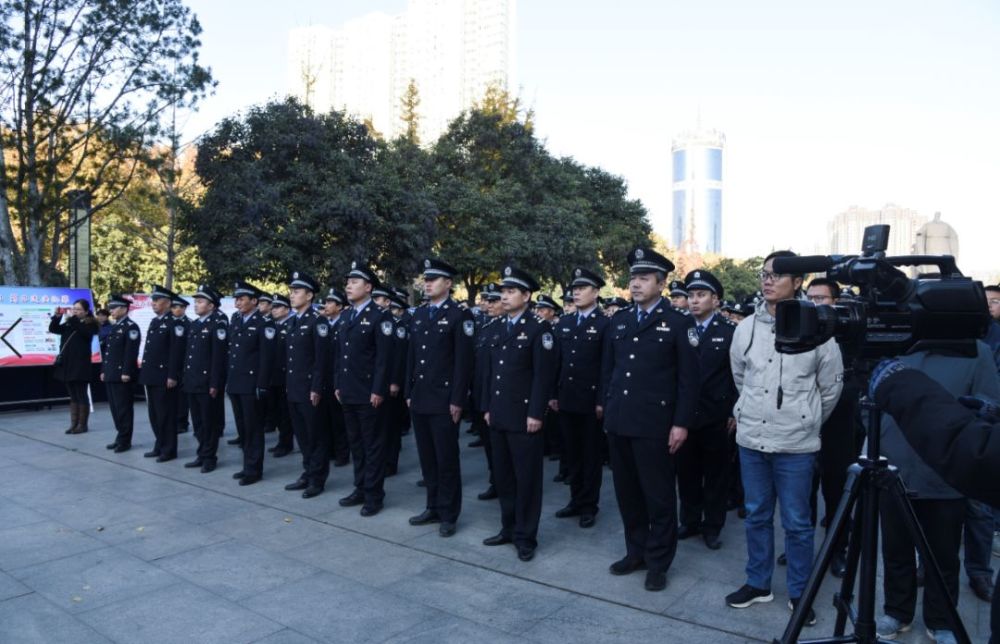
(693, 337)
(268, 333)
(547, 341)
(469, 327)
(387, 328)
(133, 334)
(322, 329)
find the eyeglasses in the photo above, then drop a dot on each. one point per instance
(993, 302)
(768, 276)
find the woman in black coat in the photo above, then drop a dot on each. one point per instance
(77, 327)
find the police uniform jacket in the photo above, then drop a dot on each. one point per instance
(279, 357)
(120, 351)
(650, 373)
(523, 366)
(308, 355)
(163, 353)
(184, 321)
(487, 335)
(439, 366)
(364, 362)
(581, 350)
(717, 392)
(205, 362)
(401, 349)
(251, 345)
(333, 346)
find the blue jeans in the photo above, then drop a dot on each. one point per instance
(978, 539)
(786, 478)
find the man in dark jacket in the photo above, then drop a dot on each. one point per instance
(436, 389)
(523, 366)
(178, 308)
(204, 381)
(120, 368)
(486, 336)
(649, 391)
(162, 362)
(277, 399)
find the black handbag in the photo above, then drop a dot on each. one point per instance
(58, 362)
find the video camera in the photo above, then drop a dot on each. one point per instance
(893, 314)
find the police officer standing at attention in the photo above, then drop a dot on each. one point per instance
(119, 367)
(397, 415)
(277, 399)
(251, 346)
(703, 460)
(204, 381)
(487, 335)
(678, 295)
(650, 391)
(438, 370)
(178, 308)
(162, 361)
(581, 343)
(364, 365)
(305, 381)
(331, 412)
(264, 304)
(523, 368)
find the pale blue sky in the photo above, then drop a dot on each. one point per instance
(823, 106)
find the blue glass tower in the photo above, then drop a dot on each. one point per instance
(697, 190)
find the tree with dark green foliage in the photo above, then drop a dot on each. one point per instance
(86, 86)
(411, 117)
(739, 278)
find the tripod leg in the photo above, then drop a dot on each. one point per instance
(852, 489)
(934, 576)
(844, 599)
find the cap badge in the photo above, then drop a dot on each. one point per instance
(506, 271)
(638, 253)
(427, 263)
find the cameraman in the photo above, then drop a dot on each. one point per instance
(963, 448)
(939, 508)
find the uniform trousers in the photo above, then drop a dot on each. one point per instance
(366, 433)
(248, 410)
(483, 431)
(437, 446)
(703, 477)
(122, 408)
(207, 420)
(162, 407)
(582, 453)
(312, 440)
(518, 469)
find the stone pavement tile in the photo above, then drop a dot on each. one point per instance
(159, 538)
(359, 557)
(286, 636)
(13, 514)
(140, 486)
(589, 620)
(97, 510)
(91, 471)
(200, 507)
(179, 614)
(31, 619)
(93, 579)
(39, 542)
(331, 608)
(392, 523)
(498, 601)
(235, 570)
(705, 604)
(272, 529)
(453, 630)
(10, 587)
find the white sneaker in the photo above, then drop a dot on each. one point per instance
(889, 628)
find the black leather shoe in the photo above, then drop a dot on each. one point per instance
(249, 480)
(712, 541)
(525, 553)
(656, 580)
(311, 491)
(783, 559)
(352, 499)
(446, 529)
(122, 448)
(497, 540)
(426, 517)
(280, 452)
(370, 510)
(163, 458)
(421, 483)
(626, 566)
(182, 430)
(195, 463)
(587, 520)
(207, 467)
(559, 478)
(111, 446)
(568, 511)
(151, 454)
(982, 587)
(238, 475)
(341, 462)
(686, 532)
(838, 565)
(270, 450)
(297, 485)
(488, 495)
(233, 441)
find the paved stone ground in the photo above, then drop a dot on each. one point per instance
(103, 547)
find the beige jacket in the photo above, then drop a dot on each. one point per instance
(810, 382)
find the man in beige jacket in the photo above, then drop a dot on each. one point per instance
(783, 401)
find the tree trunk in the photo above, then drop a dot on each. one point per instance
(168, 279)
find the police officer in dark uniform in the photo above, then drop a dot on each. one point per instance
(251, 348)
(119, 369)
(264, 303)
(306, 374)
(397, 413)
(364, 366)
(277, 399)
(400, 308)
(678, 295)
(204, 381)
(703, 460)
(178, 308)
(523, 367)
(487, 335)
(581, 337)
(438, 372)
(162, 362)
(331, 412)
(649, 389)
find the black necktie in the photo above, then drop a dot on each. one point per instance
(580, 318)
(510, 325)
(701, 330)
(434, 310)
(643, 315)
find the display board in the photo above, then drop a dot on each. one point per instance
(25, 313)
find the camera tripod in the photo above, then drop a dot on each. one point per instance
(867, 479)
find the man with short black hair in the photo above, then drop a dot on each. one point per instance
(678, 295)
(162, 362)
(487, 336)
(119, 367)
(276, 414)
(204, 380)
(178, 308)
